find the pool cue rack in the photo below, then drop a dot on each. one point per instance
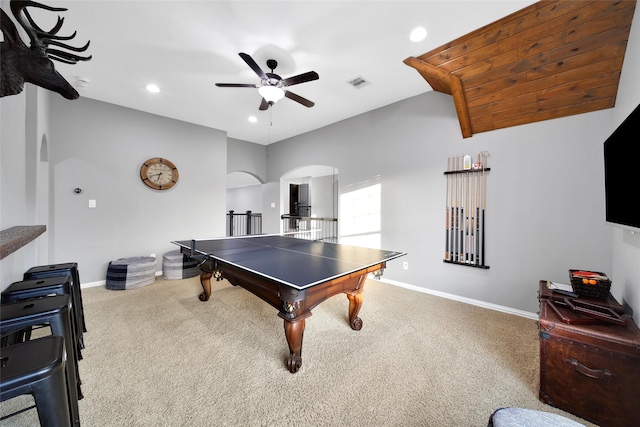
(465, 210)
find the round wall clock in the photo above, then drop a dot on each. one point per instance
(159, 173)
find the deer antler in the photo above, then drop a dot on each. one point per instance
(43, 38)
(32, 64)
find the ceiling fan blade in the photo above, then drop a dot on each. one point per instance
(299, 99)
(235, 85)
(264, 105)
(301, 78)
(251, 63)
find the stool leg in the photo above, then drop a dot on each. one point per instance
(78, 315)
(52, 405)
(81, 306)
(73, 376)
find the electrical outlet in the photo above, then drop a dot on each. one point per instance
(405, 265)
(92, 203)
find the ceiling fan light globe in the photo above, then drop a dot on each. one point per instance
(271, 94)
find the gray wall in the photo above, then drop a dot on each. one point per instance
(271, 207)
(535, 228)
(324, 203)
(243, 156)
(99, 147)
(242, 199)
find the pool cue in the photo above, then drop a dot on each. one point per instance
(469, 215)
(457, 229)
(464, 211)
(451, 213)
(456, 218)
(466, 215)
(476, 220)
(464, 208)
(477, 225)
(446, 208)
(480, 231)
(454, 207)
(484, 196)
(461, 217)
(472, 237)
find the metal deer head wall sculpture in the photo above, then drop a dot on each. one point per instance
(21, 63)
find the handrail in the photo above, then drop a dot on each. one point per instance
(251, 225)
(310, 228)
(288, 216)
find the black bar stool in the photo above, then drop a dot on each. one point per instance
(30, 289)
(54, 311)
(37, 367)
(54, 270)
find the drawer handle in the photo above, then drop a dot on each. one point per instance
(599, 374)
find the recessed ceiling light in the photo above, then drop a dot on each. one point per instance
(418, 34)
(253, 119)
(153, 88)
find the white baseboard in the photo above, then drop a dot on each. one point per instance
(93, 284)
(475, 302)
(104, 282)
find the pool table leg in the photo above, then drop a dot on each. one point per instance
(294, 332)
(205, 281)
(355, 303)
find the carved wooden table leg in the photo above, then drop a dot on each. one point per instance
(294, 332)
(205, 281)
(355, 303)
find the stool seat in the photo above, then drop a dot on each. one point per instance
(131, 273)
(38, 288)
(54, 270)
(37, 367)
(176, 265)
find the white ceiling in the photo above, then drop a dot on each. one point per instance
(185, 47)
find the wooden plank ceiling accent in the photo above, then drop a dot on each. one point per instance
(549, 60)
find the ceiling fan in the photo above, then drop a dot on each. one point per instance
(272, 86)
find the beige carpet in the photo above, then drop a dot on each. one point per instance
(157, 356)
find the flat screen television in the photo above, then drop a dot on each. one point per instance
(622, 173)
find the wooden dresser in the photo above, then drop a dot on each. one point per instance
(590, 369)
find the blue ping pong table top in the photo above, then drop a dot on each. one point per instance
(294, 262)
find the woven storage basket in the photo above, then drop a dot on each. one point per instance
(592, 284)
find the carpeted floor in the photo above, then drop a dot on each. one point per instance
(157, 356)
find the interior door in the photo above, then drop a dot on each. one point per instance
(293, 199)
(304, 204)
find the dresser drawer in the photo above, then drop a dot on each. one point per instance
(592, 371)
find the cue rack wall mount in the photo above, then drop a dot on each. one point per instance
(465, 210)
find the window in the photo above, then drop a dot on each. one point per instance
(360, 217)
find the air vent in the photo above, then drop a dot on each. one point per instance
(358, 82)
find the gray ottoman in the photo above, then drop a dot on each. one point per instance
(131, 273)
(176, 265)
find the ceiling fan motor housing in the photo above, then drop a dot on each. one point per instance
(272, 81)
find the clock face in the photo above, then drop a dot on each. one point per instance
(159, 173)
